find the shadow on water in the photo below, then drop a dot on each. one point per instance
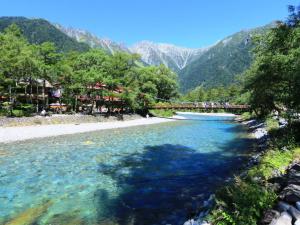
(165, 184)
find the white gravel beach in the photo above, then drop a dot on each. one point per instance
(11, 134)
(206, 114)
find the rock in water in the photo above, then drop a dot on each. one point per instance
(284, 219)
(31, 215)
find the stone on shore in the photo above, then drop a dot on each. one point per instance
(298, 205)
(291, 193)
(295, 213)
(297, 222)
(269, 216)
(284, 219)
(283, 206)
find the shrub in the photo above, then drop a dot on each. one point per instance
(241, 203)
(3, 112)
(162, 112)
(247, 116)
(18, 113)
(274, 160)
(272, 124)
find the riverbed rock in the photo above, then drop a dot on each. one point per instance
(291, 193)
(284, 219)
(31, 215)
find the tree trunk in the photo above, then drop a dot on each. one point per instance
(10, 100)
(92, 107)
(75, 106)
(31, 90)
(26, 95)
(44, 88)
(37, 98)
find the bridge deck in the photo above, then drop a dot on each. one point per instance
(208, 108)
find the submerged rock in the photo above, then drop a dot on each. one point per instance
(31, 215)
(63, 219)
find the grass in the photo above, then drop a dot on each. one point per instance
(244, 201)
(162, 112)
(247, 116)
(241, 203)
(274, 161)
(271, 124)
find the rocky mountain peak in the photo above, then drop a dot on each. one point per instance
(170, 55)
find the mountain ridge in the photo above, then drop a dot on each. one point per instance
(175, 57)
(39, 30)
(220, 65)
(211, 66)
(92, 40)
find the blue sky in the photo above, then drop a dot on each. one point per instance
(189, 23)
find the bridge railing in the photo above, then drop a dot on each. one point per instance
(201, 106)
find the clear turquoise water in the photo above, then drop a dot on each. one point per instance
(155, 174)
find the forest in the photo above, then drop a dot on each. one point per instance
(32, 68)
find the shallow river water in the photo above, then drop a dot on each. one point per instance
(156, 174)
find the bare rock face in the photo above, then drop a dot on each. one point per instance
(284, 219)
(172, 56)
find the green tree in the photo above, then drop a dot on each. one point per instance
(88, 70)
(49, 64)
(273, 80)
(17, 60)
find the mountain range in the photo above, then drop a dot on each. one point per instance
(212, 66)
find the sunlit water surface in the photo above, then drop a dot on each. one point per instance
(157, 174)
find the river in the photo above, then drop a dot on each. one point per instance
(146, 175)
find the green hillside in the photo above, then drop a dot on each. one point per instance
(38, 31)
(222, 62)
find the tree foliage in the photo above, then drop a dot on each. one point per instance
(273, 80)
(38, 31)
(83, 73)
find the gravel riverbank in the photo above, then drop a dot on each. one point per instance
(63, 119)
(12, 134)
